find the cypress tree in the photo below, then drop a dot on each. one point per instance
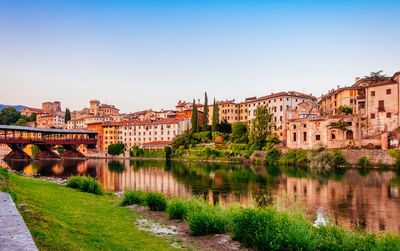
(205, 113)
(195, 120)
(215, 118)
(67, 115)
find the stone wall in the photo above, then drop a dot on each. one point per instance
(353, 155)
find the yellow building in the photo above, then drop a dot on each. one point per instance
(229, 111)
(110, 134)
(341, 97)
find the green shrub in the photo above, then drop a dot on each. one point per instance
(272, 157)
(321, 159)
(208, 220)
(388, 242)
(177, 209)
(294, 158)
(116, 149)
(340, 160)
(156, 201)
(268, 229)
(85, 184)
(333, 237)
(75, 182)
(247, 153)
(364, 162)
(133, 197)
(90, 185)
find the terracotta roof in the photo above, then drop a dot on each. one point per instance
(329, 94)
(280, 94)
(32, 109)
(145, 122)
(387, 82)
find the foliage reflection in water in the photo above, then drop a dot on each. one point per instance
(369, 199)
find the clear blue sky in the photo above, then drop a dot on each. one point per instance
(150, 54)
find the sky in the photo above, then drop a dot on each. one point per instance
(151, 54)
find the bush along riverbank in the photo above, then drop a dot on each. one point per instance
(267, 228)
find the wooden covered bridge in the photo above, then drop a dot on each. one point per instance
(18, 137)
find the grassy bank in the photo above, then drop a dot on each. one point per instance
(63, 218)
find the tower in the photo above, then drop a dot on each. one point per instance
(94, 106)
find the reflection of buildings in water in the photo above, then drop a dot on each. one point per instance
(58, 168)
(157, 179)
(30, 170)
(145, 178)
(82, 167)
(368, 202)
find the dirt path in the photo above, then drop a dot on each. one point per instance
(177, 231)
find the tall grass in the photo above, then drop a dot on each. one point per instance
(4, 183)
(133, 197)
(85, 184)
(156, 201)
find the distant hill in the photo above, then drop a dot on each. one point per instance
(17, 107)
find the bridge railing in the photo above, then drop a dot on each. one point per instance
(50, 141)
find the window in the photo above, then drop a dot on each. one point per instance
(305, 126)
(333, 136)
(317, 137)
(304, 136)
(388, 115)
(294, 127)
(372, 93)
(372, 115)
(388, 91)
(294, 137)
(381, 106)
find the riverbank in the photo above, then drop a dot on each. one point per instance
(61, 218)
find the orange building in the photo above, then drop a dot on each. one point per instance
(97, 127)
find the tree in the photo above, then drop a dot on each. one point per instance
(32, 118)
(345, 110)
(375, 77)
(168, 152)
(239, 132)
(116, 149)
(195, 118)
(224, 127)
(340, 125)
(181, 140)
(9, 116)
(205, 113)
(21, 122)
(261, 126)
(215, 117)
(67, 115)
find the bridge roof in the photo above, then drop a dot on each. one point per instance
(45, 130)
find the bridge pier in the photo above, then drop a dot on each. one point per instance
(17, 153)
(46, 152)
(72, 152)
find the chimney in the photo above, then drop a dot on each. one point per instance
(198, 101)
(357, 79)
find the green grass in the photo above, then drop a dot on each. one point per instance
(66, 219)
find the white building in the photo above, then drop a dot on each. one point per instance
(278, 104)
(136, 133)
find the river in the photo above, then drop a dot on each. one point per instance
(353, 197)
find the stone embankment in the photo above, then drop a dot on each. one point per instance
(377, 156)
(14, 234)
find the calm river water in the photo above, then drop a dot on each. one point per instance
(369, 199)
